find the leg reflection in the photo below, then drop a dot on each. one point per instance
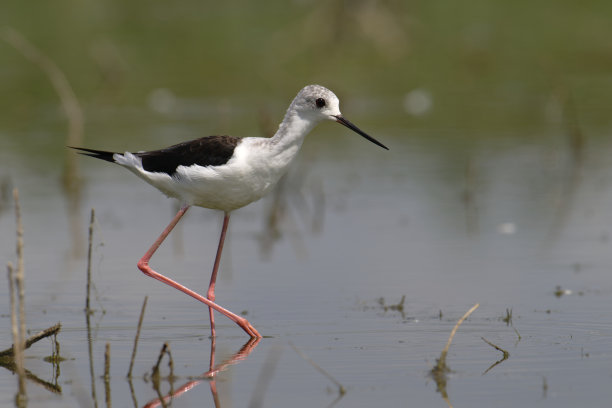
(209, 375)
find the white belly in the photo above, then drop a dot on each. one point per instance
(253, 171)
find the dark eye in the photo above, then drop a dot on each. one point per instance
(320, 102)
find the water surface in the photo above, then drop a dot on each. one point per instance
(495, 190)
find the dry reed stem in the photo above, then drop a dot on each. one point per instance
(442, 361)
(140, 319)
(452, 335)
(18, 311)
(17, 348)
(68, 98)
(19, 277)
(89, 254)
(19, 232)
(70, 103)
(439, 371)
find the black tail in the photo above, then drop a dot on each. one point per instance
(98, 154)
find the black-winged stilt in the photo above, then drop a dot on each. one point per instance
(226, 173)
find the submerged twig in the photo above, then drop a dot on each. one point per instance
(155, 377)
(399, 307)
(91, 359)
(132, 392)
(140, 319)
(53, 330)
(496, 347)
(55, 358)
(107, 389)
(508, 317)
(341, 389)
(155, 373)
(518, 335)
(9, 364)
(129, 374)
(164, 350)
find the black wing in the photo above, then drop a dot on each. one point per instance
(206, 151)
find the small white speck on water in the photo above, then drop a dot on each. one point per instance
(506, 228)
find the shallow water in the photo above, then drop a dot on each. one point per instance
(495, 190)
(395, 224)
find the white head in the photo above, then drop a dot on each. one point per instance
(316, 103)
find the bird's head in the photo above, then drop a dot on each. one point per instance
(317, 103)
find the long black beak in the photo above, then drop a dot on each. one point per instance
(340, 119)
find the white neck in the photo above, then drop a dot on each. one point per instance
(290, 134)
(292, 129)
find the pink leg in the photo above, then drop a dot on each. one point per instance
(213, 278)
(143, 265)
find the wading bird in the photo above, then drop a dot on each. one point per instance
(226, 173)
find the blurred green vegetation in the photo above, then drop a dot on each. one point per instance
(487, 66)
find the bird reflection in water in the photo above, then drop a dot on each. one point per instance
(210, 376)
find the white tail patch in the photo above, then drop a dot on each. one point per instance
(128, 160)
